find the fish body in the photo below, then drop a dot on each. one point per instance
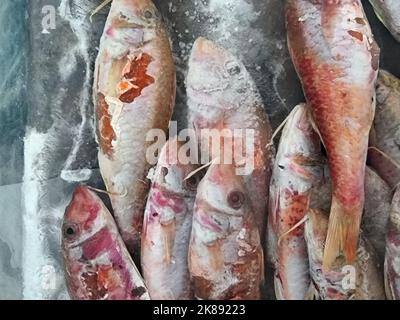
(388, 11)
(392, 258)
(167, 226)
(378, 198)
(222, 96)
(225, 253)
(360, 281)
(134, 92)
(337, 58)
(97, 263)
(296, 170)
(384, 154)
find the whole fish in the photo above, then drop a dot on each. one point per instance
(296, 170)
(388, 11)
(392, 258)
(167, 226)
(384, 154)
(222, 96)
(378, 197)
(134, 92)
(225, 254)
(337, 58)
(360, 281)
(97, 264)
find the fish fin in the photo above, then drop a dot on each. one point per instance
(169, 241)
(342, 237)
(297, 225)
(386, 156)
(388, 287)
(101, 6)
(191, 174)
(103, 191)
(314, 126)
(281, 126)
(278, 288)
(312, 293)
(262, 268)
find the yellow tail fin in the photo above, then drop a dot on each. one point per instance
(343, 233)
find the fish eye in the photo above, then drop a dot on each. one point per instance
(192, 183)
(70, 231)
(164, 171)
(232, 68)
(236, 199)
(148, 14)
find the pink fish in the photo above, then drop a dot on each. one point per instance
(223, 97)
(337, 59)
(298, 167)
(378, 198)
(134, 92)
(167, 226)
(97, 263)
(360, 281)
(225, 254)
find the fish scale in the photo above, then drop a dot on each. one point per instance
(97, 263)
(337, 60)
(297, 169)
(134, 31)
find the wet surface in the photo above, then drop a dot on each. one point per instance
(47, 144)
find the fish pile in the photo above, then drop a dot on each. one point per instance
(317, 219)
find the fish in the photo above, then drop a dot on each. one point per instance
(134, 92)
(225, 257)
(378, 198)
(337, 60)
(97, 263)
(392, 257)
(384, 152)
(388, 11)
(360, 281)
(167, 226)
(298, 167)
(222, 96)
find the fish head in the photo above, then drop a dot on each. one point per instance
(173, 191)
(84, 217)
(173, 173)
(133, 22)
(222, 204)
(299, 158)
(216, 78)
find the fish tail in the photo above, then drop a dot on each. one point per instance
(343, 232)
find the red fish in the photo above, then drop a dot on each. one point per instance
(134, 92)
(337, 58)
(360, 281)
(222, 96)
(298, 167)
(167, 226)
(97, 263)
(225, 253)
